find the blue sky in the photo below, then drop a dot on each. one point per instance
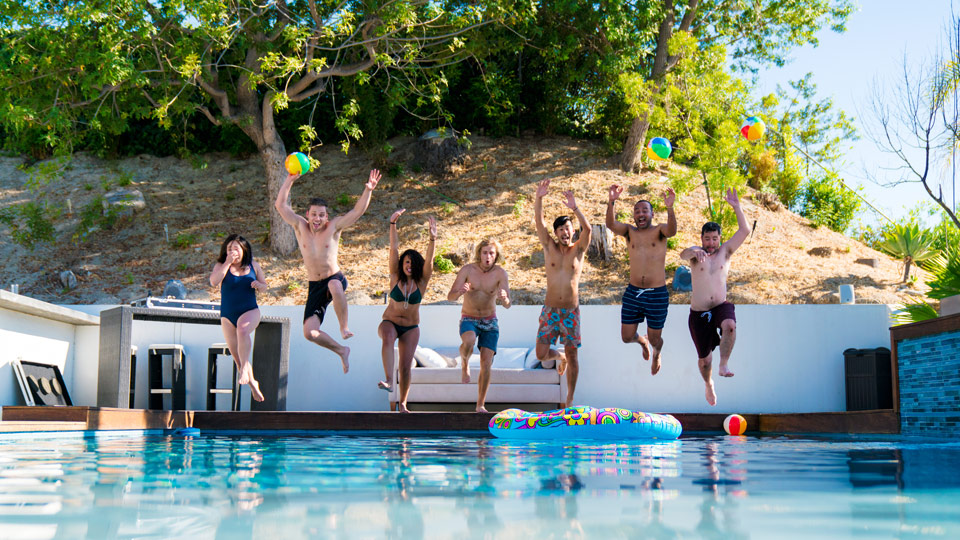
(847, 66)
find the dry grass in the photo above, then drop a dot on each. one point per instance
(785, 261)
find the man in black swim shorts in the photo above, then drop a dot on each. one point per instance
(710, 312)
(318, 236)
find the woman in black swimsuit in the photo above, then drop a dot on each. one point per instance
(409, 275)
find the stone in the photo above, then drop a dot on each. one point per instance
(682, 280)
(438, 151)
(820, 252)
(770, 201)
(874, 263)
(174, 288)
(68, 279)
(125, 202)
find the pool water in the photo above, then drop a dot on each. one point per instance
(291, 487)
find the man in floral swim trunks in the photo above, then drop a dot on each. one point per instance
(563, 261)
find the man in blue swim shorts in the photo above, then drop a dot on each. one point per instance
(646, 296)
(482, 284)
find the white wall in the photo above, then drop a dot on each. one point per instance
(35, 338)
(787, 359)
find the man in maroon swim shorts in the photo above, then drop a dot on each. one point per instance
(712, 320)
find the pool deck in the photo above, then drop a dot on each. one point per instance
(29, 419)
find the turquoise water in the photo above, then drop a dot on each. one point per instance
(291, 487)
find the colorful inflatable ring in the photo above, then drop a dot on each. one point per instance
(584, 423)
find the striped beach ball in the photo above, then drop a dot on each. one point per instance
(734, 424)
(753, 128)
(297, 163)
(659, 149)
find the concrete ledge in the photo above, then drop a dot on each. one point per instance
(880, 421)
(37, 308)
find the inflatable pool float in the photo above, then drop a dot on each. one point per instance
(584, 423)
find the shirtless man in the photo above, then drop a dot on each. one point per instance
(481, 284)
(709, 309)
(563, 261)
(646, 296)
(319, 238)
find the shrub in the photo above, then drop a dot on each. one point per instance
(184, 240)
(826, 202)
(442, 264)
(909, 243)
(30, 223)
(762, 168)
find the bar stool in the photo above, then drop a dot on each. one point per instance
(178, 376)
(214, 352)
(133, 374)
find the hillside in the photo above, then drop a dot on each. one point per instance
(785, 261)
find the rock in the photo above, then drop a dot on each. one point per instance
(68, 279)
(869, 262)
(125, 202)
(820, 252)
(174, 289)
(360, 297)
(107, 301)
(682, 280)
(770, 201)
(438, 152)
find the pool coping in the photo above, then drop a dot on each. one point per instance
(37, 419)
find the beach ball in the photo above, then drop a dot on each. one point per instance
(659, 149)
(753, 128)
(734, 424)
(297, 163)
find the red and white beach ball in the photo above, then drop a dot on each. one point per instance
(734, 424)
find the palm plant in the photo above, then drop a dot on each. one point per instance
(913, 312)
(909, 243)
(945, 268)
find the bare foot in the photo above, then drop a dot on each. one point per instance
(655, 365)
(402, 407)
(481, 408)
(644, 346)
(384, 386)
(465, 376)
(244, 374)
(345, 359)
(724, 371)
(255, 392)
(568, 404)
(711, 395)
(346, 333)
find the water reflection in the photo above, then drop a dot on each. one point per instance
(399, 487)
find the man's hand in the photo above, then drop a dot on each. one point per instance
(465, 288)
(615, 191)
(396, 215)
(732, 198)
(292, 177)
(699, 255)
(669, 197)
(503, 296)
(374, 178)
(543, 187)
(571, 203)
(432, 226)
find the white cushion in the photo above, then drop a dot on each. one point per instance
(510, 358)
(497, 376)
(429, 358)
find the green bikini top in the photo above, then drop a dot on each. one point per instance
(397, 295)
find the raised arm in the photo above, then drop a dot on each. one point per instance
(460, 286)
(586, 231)
(612, 223)
(670, 229)
(220, 270)
(394, 245)
(743, 229)
(282, 204)
(431, 249)
(363, 202)
(260, 283)
(542, 232)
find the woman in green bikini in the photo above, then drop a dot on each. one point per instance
(409, 275)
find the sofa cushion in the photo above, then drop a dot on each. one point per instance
(506, 357)
(531, 362)
(430, 358)
(497, 376)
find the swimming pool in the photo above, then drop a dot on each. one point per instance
(290, 487)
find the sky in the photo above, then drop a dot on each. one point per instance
(848, 66)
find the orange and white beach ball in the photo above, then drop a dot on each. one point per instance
(734, 424)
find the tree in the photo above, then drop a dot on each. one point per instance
(755, 32)
(922, 118)
(911, 244)
(74, 65)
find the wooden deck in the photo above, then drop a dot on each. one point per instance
(26, 419)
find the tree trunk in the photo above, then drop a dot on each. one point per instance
(282, 238)
(600, 241)
(630, 158)
(906, 269)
